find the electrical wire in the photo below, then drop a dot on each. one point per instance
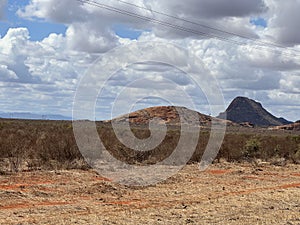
(202, 25)
(264, 45)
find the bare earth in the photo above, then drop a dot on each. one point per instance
(224, 194)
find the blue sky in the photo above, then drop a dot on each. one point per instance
(259, 22)
(124, 31)
(38, 29)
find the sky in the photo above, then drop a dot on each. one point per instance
(47, 47)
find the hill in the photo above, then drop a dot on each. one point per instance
(243, 110)
(293, 126)
(168, 115)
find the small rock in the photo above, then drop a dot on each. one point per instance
(189, 221)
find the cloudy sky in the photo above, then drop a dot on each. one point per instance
(251, 48)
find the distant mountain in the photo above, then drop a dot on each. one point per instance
(243, 110)
(168, 115)
(32, 116)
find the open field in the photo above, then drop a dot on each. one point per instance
(44, 179)
(227, 193)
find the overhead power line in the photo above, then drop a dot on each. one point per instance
(145, 18)
(260, 44)
(202, 25)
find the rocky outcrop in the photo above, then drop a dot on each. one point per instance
(244, 110)
(293, 126)
(169, 115)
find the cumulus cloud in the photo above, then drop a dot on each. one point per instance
(86, 37)
(7, 74)
(283, 21)
(290, 83)
(54, 10)
(48, 71)
(41, 74)
(13, 55)
(90, 28)
(230, 17)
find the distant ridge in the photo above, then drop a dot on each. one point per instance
(245, 110)
(32, 116)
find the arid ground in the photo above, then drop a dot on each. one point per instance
(227, 193)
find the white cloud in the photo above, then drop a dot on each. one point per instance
(86, 37)
(41, 74)
(84, 19)
(212, 9)
(45, 73)
(283, 21)
(84, 33)
(6, 74)
(14, 55)
(290, 83)
(231, 17)
(65, 12)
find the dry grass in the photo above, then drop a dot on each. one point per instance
(35, 145)
(261, 192)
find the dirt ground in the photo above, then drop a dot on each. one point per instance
(224, 194)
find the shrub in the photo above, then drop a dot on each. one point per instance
(51, 144)
(252, 148)
(296, 156)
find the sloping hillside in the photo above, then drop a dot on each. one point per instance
(243, 110)
(168, 115)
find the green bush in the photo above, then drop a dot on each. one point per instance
(252, 148)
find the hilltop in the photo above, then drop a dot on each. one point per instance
(168, 115)
(245, 110)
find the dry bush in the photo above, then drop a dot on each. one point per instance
(296, 156)
(233, 146)
(37, 144)
(51, 145)
(125, 154)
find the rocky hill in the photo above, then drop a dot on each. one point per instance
(245, 110)
(169, 115)
(293, 126)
